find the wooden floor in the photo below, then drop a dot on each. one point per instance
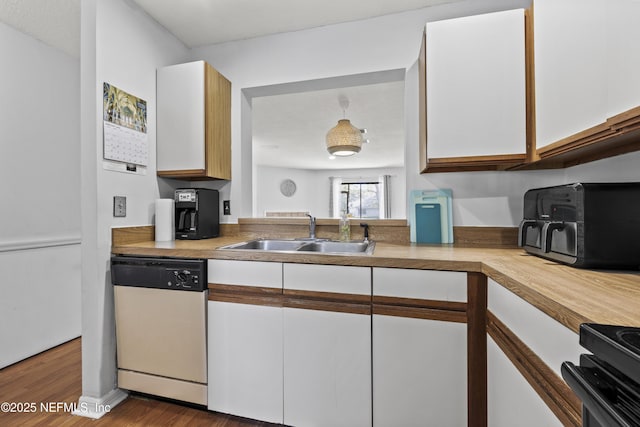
(55, 376)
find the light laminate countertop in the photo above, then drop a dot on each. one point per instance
(571, 296)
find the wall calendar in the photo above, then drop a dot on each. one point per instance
(125, 127)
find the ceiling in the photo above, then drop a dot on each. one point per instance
(204, 22)
(294, 124)
(289, 130)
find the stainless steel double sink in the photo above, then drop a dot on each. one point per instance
(351, 247)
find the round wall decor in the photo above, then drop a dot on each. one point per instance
(287, 187)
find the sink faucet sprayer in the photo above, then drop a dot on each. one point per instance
(366, 231)
(312, 227)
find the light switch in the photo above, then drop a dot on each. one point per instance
(119, 206)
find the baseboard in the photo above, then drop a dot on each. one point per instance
(92, 407)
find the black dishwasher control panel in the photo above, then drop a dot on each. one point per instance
(161, 273)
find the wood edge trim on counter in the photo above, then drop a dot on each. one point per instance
(420, 313)
(477, 350)
(552, 389)
(419, 303)
(128, 235)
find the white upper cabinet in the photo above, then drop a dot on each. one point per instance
(194, 122)
(623, 55)
(570, 71)
(476, 85)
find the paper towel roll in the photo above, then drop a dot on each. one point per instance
(165, 224)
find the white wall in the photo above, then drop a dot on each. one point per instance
(307, 198)
(313, 189)
(372, 45)
(389, 42)
(123, 46)
(40, 193)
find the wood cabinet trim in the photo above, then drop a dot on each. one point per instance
(530, 87)
(327, 301)
(619, 134)
(217, 124)
(477, 350)
(420, 303)
(474, 163)
(186, 173)
(422, 106)
(332, 306)
(252, 295)
(552, 389)
(443, 315)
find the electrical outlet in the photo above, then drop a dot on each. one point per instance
(119, 206)
(226, 207)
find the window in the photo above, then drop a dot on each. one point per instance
(360, 197)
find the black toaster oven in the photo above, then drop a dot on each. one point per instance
(594, 225)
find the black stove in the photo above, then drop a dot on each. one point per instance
(607, 381)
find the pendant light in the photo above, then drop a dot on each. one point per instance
(344, 139)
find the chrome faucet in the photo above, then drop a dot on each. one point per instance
(312, 227)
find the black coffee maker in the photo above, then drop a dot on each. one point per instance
(197, 213)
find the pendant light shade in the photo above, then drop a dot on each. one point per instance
(344, 139)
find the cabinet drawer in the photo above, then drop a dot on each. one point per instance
(420, 284)
(245, 273)
(328, 278)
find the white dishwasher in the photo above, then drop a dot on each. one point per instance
(161, 318)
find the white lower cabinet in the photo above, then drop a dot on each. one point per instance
(511, 399)
(327, 368)
(327, 353)
(419, 364)
(419, 372)
(245, 375)
(245, 360)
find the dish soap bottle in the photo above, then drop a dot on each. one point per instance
(344, 228)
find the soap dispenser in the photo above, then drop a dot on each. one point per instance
(344, 227)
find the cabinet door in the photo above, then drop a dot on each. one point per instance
(570, 70)
(245, 360)
(327, 368)
(327, 345)
(181, 117)
(511, 400)
(475, 73)
(623, 56)
(194, 122)
(419, 364)
(245, 339)
(419, 372)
